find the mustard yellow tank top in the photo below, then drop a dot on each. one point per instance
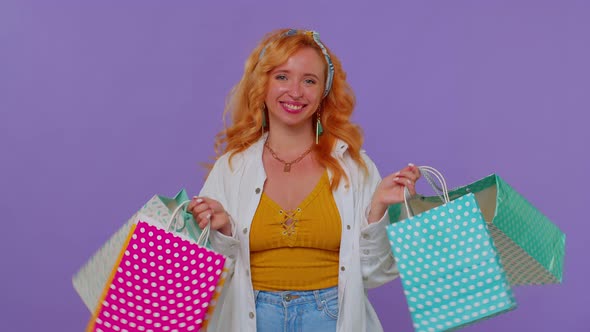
(299, 249)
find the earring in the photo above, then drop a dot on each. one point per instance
(263, 119)
(319, 130)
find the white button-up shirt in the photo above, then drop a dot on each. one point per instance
(366, 259)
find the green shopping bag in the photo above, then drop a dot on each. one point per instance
(92, 277)
(531, 247)
(451, 272)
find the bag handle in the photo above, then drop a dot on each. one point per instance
(203, 238)
(442, 191)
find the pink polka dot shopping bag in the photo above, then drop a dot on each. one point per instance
(90, 280)
(162, 281)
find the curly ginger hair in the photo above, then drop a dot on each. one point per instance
(245, 103)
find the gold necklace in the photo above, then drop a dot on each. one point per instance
(287, 167)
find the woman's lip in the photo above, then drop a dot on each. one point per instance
(288, 107)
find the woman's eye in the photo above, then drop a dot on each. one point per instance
(281, 77)
(310, 81)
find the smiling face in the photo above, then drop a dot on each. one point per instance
(295, 90)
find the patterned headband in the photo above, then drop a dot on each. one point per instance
(316, 39)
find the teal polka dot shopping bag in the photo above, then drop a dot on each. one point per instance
(459, 252)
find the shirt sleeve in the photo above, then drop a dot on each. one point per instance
(378, 265)
(215, 188)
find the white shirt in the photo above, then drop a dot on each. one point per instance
(366, 260)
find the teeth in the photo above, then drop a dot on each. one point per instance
(293, 107)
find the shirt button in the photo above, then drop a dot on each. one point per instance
(366, 251)
(251, 314)
(248, 273)
(245, 230)
(342, 268)
(366, 236)
(347, 226)
(257, 190)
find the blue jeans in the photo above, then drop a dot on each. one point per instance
(297, 311)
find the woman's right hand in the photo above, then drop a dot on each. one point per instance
(206, 210)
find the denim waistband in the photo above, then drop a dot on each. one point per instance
(297, 297)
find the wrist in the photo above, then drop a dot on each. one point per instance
(376, 212)
(225, 230)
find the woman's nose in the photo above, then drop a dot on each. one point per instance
(295, 90)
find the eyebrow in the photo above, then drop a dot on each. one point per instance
(274, 72)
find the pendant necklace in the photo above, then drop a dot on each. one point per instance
(287, 167)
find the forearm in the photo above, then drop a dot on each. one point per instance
(378, 265)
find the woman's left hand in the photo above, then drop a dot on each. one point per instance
(391, 190)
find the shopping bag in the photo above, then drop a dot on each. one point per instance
(90, 279)
(450, 269)
(532, 248)
(162, 281)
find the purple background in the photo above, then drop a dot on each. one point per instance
(106, 103)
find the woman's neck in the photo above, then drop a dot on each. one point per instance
(288, 143)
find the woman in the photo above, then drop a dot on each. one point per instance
(293, 202)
